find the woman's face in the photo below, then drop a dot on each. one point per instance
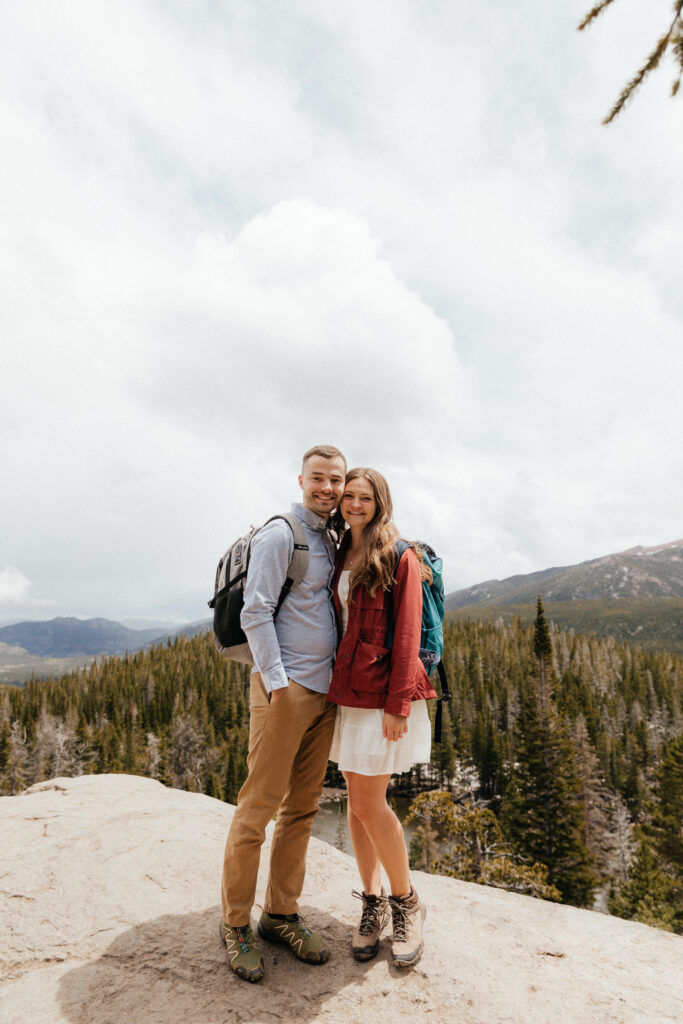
(358, 505)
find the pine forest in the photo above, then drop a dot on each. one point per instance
(559, 773)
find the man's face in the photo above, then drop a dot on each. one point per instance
(322, 483)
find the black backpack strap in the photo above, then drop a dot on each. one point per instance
(445, 695)
(445, 692)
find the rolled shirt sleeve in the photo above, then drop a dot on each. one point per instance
(271, 553)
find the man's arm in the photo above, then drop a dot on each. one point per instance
(271, 553)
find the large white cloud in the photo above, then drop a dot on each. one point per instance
(13, 586)
(394, 227)
(297, 321)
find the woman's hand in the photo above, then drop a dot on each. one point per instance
(394, 726)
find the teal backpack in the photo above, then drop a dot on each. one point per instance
(431, 636)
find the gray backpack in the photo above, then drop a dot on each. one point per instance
(231, 579)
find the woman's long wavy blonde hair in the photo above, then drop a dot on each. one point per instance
(378, 561)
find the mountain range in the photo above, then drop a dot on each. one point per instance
(60, 645)
(639, 572)
(634, 596)
(63, 637)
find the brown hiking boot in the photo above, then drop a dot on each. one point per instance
(374, 916)
(407, 915)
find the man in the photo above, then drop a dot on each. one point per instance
(291, 723)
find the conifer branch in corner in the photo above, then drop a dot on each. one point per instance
(672, 39)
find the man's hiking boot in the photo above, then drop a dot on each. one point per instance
(291, 930)
(244, 957)
(407, 915)
(374, 916)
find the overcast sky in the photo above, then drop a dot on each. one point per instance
(232, 230)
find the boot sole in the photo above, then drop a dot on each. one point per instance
(365, 952)
(397, 962)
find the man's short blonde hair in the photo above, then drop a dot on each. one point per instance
(327, 451)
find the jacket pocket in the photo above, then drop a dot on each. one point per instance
(371, 668)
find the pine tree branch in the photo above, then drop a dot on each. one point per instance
(598, 9)
(677, 48)
(673, 38)
(650, 64)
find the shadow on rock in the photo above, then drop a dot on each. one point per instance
(173, 970)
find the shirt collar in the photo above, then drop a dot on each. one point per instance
(311, 519)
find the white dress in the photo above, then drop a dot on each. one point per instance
(359, 744)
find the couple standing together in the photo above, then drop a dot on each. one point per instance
(358, 703)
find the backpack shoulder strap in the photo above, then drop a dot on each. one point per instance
(399, 547)
(298, 564)
(445, 695)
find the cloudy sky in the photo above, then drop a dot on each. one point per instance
(231, 230)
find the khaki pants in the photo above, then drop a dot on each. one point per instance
(289, 742)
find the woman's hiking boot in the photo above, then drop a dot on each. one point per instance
(374, 916)
(244, 957)
(291, 929)
(407, 914)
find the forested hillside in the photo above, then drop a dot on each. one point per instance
(571, 744)
(655, 623)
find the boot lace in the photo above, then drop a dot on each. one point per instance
(399, 918)
(245, 938)
(370, 912)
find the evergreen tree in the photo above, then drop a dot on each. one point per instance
(664, 830)
(543, 648)
(542, 810)
(16, 760)
(467, 842)
(5, 745)
(214, 787)
(647, 894)
(599, 805)
(443, 754)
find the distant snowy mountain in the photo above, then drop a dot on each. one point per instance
(637, 573)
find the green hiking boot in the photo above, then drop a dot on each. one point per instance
(291, 930)
(245, 959)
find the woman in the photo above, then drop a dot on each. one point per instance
(382, 722)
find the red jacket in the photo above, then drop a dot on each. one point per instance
(366, 673)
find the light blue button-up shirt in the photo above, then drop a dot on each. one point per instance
(301, 642)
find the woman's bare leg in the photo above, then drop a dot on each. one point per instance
(364, 851)
(376, 834)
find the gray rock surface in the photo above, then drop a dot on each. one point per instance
(110, 908)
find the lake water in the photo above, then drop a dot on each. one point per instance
(330, 825)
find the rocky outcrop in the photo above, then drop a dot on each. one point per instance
(110, 910)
